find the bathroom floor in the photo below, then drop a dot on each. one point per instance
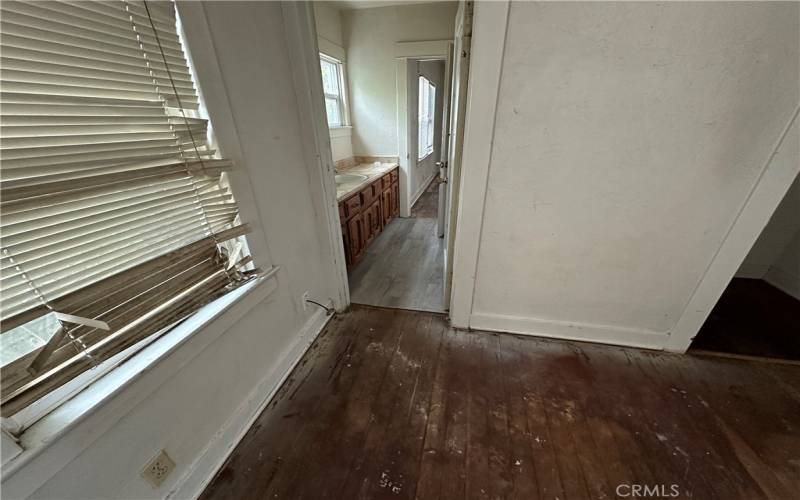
(403, 267)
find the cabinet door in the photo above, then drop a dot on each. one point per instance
(386, 206)
(355, 237)
(377, 219)
(395, 198)
(370, 217)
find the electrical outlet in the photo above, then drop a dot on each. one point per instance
(304, 298)
(157, 470)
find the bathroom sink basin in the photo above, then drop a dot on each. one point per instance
(346, 178)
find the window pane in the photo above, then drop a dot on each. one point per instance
(422, 118)
(330, 77)
(431, 115)
(26, 338)
(332, 109)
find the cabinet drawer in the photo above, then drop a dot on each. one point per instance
(387, 181)
(370, 193)
(393, 175)
(342, 215)
(352, 205)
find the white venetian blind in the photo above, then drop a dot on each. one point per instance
(113, 209)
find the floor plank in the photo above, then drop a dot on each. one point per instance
(390, 403)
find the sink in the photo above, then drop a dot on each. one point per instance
(346, 178)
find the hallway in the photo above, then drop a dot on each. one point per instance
(403, 267)
(395, 404)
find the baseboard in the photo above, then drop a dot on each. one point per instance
(783, 281)
(227, 438)
(584, 332)
(420, 191)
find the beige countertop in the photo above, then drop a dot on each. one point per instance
(371, 170)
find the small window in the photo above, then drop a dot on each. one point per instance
(427, 110)
(332, 85)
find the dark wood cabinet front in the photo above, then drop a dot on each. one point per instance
(365, 214)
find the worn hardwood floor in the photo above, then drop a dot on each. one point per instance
(395, 404)
(753, 318)
(403, 267)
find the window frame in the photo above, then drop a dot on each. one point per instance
(16, 424)
(430, 117)
(341, 98)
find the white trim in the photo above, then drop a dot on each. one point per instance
(773, 183)
(585, 332)
(422, 188)
(200, 47)
(331, 49)
(213, 457)
(345, 131)
(9, 447)
(300, 32)
(490, 20)
(405, 122)
(406, 150)
(58, 438)
(433, 48)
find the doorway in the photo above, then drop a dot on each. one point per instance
(394, 212)
(404, 266)
(758, 314)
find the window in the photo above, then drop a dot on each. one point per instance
(427, 110)
(117, 220)
(332, 85)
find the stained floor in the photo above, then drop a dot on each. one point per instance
(395, 404)
(753, 318)
(404, 265)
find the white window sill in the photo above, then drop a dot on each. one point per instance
(95, 401)
(343, 131)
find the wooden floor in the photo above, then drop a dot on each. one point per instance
(753, 318)
(403, 267)
(394, 404)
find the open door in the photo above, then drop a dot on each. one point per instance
(450, 172)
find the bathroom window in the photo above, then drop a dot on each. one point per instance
(427, 102)
(332, 86)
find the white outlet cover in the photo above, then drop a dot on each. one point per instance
(157, 469)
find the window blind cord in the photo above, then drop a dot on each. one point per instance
(183, 114)
(75, 342)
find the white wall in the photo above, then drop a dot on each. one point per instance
(775, 257)
(784, 225)
(328, 21)
(370, 35)
(188, 409)
(424, 170)
(784, 273)
(627, 138)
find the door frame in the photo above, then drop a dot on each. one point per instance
(404, 52)
(302, 43)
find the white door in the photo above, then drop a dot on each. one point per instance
(458, 96)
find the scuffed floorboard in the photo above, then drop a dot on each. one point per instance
(394, 404)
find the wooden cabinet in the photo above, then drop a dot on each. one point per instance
(387, 205)
(395, 199)
(364, 215)
(355, 238)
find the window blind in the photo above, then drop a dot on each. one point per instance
(114, 214)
